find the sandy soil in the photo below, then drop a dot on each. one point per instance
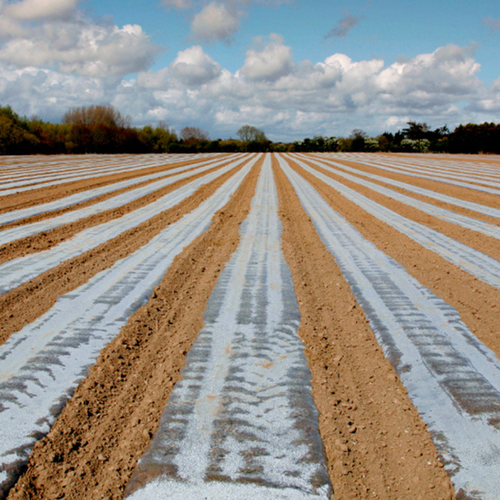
(477, 303)
(48, 239)
(375, 442)
(27, 302)
(95, 443)
(51, 193)
(462, 193)
(473, 239)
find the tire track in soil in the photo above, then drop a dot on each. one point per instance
(377, 445)
(94, 445)
(51, 193)
(477, 302)
(24, 304)
(48, 239)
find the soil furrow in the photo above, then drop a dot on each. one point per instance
(488, 199)
(96, 441)
(376, 444)
(48, 239)
(457, 175)
(51, 193)
(52, 213)
(439, 202)
(27, 302)
(477, 302)
(481, 242)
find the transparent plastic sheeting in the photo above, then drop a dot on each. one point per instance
(30, 229)
(451, 377)
(469, 205)
(55, 180)
(451, 172)
(241, 423)
(441, 213)
(89, 194)
(473, 261)
(41, 365)
(421, 162)
(384, 165)
(85, 164)
(17, 271)
(25, 168)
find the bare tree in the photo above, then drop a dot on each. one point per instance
(194, 134)
(92, 115)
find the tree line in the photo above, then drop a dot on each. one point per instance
(103, 129)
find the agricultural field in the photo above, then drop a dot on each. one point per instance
(251, 326)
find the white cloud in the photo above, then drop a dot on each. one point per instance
(447, 74)
(82, 47)
(286, 99)
(178, 4)
(37, 10)
(215, 22)
(193, 67)
(271, 63)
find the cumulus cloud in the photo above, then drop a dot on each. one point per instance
(447, 74)
(344, 26)
(271, 63)
(63, 39)
(491, 23)
(287, 99)
(85, 49)
(37, 10)
(215, 22)
(193, 67)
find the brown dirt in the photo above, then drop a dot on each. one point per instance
(376, 444)
(426, 199)
(48, 239)
(93, 447)
(51, 193)
(461, 193)
(477, 302)
(98, 199)
(473, 239)
(27, 302)
(375, 441)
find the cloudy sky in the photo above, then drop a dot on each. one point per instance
(293, 68)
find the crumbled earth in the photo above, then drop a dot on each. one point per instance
(375, 442)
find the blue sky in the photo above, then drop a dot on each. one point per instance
(290, 67)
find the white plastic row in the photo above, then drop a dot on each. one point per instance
(43, 363)
(491, 230)
(451, 377)
(470, 260)
(89, 194)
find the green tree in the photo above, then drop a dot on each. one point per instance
(248, 134)
(358, 138)
(15, 136)
(416, 131)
